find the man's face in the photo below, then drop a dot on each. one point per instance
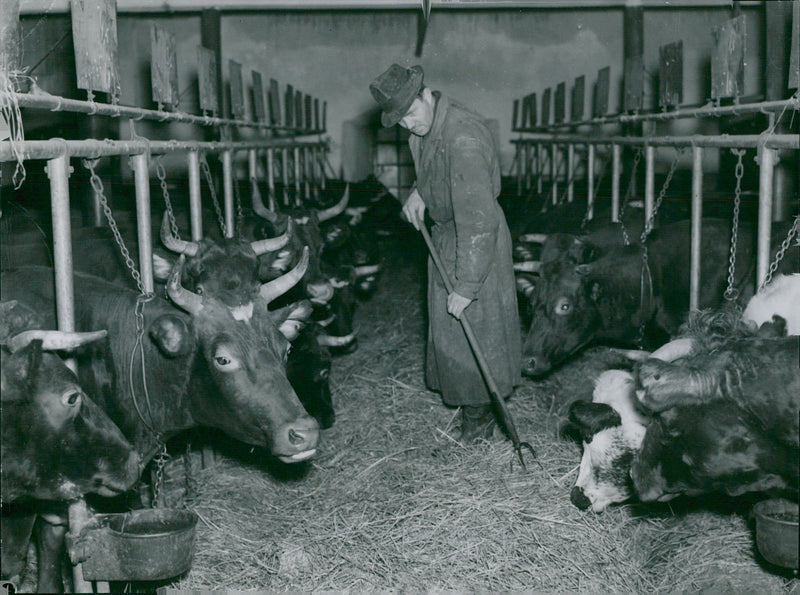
(419, 117)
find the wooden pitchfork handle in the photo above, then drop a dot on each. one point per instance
(494, 392)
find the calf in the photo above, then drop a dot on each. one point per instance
(611, 431)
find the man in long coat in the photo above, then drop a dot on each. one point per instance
(458, 181)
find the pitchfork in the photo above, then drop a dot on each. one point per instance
(494, 392)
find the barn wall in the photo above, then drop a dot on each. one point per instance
(485, 58)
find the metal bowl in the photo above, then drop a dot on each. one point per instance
(777, 531)
(142, 545)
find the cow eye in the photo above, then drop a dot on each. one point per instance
(563, 306)
(323, 374)
(225, 361)
(71, 398)
(199, 290)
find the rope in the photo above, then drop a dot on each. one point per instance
(12, 117)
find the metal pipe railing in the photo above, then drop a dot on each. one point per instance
(750, 141)
(93, 149)
(58, 172)
(55, 103)
(706, 111)
(697, 218)
(195, 206)
(141, 173)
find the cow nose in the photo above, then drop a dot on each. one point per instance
(579, 499)
(533, 367)
(297, 440)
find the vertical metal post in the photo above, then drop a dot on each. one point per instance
(297, 197)
(252, 172)
(520, 166)
(271, 178)
(306, 173)
(539, 167)
(227, 184)
(195, 206)
(570, 172)
(697, 227)
(141, 177)
(616, 160)
(649, 182)
(58, 171)
(554, 172)
(590, 148)
(285, 175)
(765, 183)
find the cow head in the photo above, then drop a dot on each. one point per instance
(611, 431)
(57, 444)
(565, 316)
(308, 369)
(247, 362)
(227, 269)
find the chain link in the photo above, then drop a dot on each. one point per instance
(781, 251)
(161, 174)
(97, 186)
(161, 460)
(636, 158)
(731, 293)
(213, 191)
(651, 220)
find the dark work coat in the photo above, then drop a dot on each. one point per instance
(458, 178)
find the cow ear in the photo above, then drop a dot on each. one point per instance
(161, 267)
(590, 418)
(172, 335)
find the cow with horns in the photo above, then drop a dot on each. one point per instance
(201, 366)
(57, 444)
(715, 410)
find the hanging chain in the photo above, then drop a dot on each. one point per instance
(636, 158)
(237, 197)
(212, 190)
(161, 460)
(99, 191)
(731, 293)
(781, 251)
(651, 220)
(161, 174)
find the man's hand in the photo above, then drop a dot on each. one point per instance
(414, 209)
(456, 303)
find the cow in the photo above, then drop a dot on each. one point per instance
(201, 367)
(57, 444)
(615, 298)
(308, 369)
(725, 412)
(611, 431)
(781, 297)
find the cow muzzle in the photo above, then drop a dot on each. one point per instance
(297, 440)
(536, 366)
(579, 499)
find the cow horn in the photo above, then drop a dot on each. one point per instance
(54, 340)
(271, 244)
(637, 355)
(183, 298)
(262, 211)
(674, 350)
(530, 266)
(173, 243)
(277, 287)
(336, 341)
(337, 209)
(367, 270)
(533, 238)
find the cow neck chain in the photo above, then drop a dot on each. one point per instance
(731, 293)
(161, 456)
(646, 279)
(161, 174)
(636, 158)
(781, 251)
(213, 192)
(99, 191)
(596, 188)
(239, 212)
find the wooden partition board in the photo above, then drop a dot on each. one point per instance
(94, 34)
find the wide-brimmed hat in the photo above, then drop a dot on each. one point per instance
(395, 90)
